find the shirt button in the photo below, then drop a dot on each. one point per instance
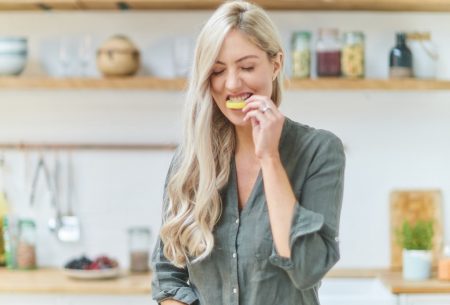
(234, 290)
(234, 255)
(237, 220)
(336, 239)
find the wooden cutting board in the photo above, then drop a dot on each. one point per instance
(414, 205)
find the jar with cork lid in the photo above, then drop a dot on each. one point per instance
(139, 246)
(26, 247)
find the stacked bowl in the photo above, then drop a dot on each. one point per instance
(13, 55)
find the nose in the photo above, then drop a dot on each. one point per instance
(233, 81)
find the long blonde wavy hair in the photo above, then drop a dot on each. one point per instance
(201, 165)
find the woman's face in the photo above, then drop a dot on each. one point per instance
(241, 70)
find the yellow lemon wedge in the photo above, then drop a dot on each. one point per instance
(238, 104)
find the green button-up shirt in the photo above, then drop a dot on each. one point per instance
(244, 267)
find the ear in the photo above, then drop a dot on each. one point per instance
(277, 62)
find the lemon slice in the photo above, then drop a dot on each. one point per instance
(238, 104)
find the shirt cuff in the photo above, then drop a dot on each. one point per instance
(182, 294)
(304, 222)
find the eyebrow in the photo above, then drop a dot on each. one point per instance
(240, 59)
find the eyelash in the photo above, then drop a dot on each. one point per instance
(248, 69)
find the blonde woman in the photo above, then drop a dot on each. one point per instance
(252, 199)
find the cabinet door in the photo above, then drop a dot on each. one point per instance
(425, 299)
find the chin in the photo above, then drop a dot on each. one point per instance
(236, 118)
(239, 121)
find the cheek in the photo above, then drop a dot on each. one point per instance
(262, 84)
(215, 92)
(216, 86)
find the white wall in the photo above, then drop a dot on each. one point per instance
(393, 139)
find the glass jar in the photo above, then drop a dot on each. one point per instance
(139, 246)
(424, 55)
(328, 49)
(444, 264)
(26, 247)
(352, 57)
(301, 54)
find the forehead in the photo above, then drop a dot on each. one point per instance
(236, 45)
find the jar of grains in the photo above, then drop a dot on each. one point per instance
(352, 56)
(301, 54)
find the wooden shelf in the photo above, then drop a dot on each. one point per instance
(17, 5)
(152, 83)
(350, 5)
(92, 83)
(367, 84)
(397, 285)
(89, 146)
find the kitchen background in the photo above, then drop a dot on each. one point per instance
(393, 139)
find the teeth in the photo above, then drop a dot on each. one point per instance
(238, 98)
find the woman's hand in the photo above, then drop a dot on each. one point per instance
(172, 302)
(267, 122)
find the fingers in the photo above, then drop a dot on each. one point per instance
(261, 103)
(256, 114)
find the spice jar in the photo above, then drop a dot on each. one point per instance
(26, 248)
(328, 49)
(301, 54)
(139, 244)
(424, 54)
(352, 57)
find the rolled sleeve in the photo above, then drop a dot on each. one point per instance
(315, 223)
(169, 281)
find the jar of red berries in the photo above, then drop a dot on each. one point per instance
(328, 51)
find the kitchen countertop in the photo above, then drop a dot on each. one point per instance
(397, 285)
(393, 280)
(54, 281)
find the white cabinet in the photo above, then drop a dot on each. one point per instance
(354, 291)
(371, 291)
(424, 299)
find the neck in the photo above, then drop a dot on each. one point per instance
(244, 141)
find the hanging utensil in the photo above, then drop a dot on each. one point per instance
(69, 231)
(41, 166)
(55, 223)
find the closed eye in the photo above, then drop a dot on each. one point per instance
(248, 68)
(215, 73)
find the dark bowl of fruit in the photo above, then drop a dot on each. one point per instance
(102, 267)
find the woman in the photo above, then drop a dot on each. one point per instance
(252, 199)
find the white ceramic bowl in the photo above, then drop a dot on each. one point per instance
(13, 55)
(12, 64)
(13, 44)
